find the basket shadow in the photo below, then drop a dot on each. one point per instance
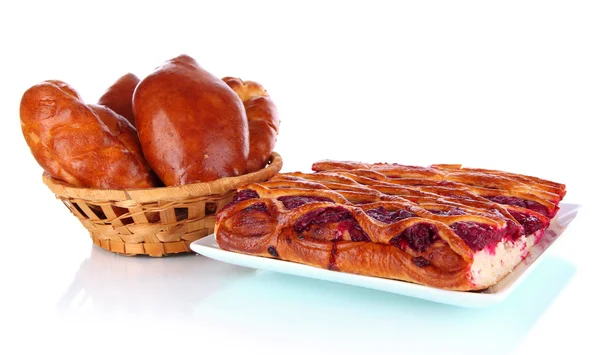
(141, 286)
(371, 319)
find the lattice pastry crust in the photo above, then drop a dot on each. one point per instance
(444, 226)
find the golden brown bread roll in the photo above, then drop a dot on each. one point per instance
(192, 126)
(263, 120)
(120, 128)
(118, 97)
(72, 144)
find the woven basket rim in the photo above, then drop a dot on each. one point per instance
(170, 193)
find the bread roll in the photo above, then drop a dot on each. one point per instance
(120, 128)
(192, 126)
(118, 97)
(72, 144)
(263, 120)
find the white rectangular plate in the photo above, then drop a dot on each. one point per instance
(209, 248)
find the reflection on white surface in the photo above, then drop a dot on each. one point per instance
(285, 306)
(281, 309)
(143, 286)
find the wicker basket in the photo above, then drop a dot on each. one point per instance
(157, 221)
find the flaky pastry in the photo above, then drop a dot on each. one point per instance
(443, 226)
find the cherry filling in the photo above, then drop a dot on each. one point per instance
(519, 202)
(418, 237)
(478, 235)
(243, 195)
(261, 206)
(385, 216)
(291, 202)
(421, 261)
(340, 215)
(513, 230)
(530, 223)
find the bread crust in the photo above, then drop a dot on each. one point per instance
(192, 126)
(119, 96)
(72, 141)
(263, 120)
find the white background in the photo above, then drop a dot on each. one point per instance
(511, 85)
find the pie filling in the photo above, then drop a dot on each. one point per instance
(385, 216)
(421, 261)
(478, 235)
(243, 195)
(261, 206)
(529, 222)
(418, 237)
(519, 202)
(291, 202)
(322, 216)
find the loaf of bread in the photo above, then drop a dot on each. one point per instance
(82, 145)
(118, 97)
(263, 120)
(192, 126)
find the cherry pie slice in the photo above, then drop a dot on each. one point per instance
(444, 226)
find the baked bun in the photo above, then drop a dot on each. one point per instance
(73, 144)
(263, 120)
(118, 97)
(192, 126)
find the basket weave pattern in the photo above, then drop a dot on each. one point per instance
(157, 221)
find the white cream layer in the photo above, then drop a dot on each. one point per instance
(490, 267)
